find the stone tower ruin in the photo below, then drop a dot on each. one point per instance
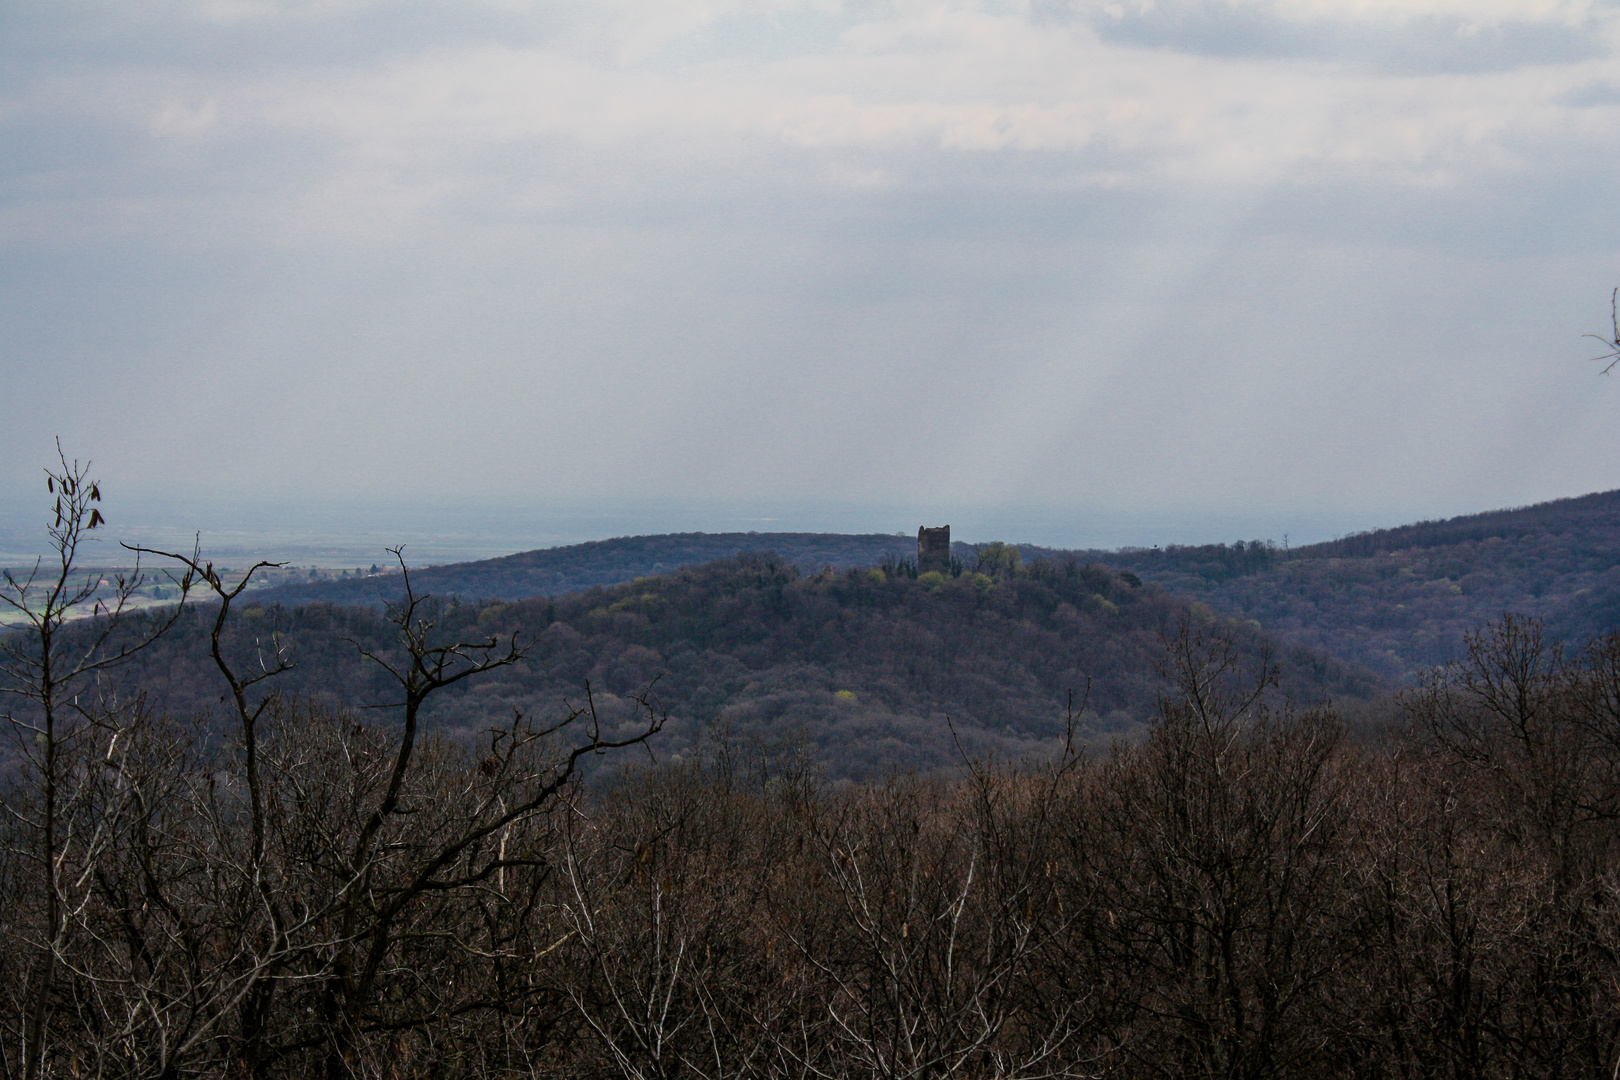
(934, 549)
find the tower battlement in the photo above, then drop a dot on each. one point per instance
(934, 550)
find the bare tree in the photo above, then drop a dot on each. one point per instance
(1611, 344)
(264, 929)
(48, 680)
(312, 895)
(1215, 872)
(1520, 742)
(668, 965)
(942, 914)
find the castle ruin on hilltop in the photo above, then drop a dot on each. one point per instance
(934, 549)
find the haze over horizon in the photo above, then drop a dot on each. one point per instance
(1077, 273)
(337, 534)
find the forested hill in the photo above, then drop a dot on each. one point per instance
(1596, 513)
(1394, 600)
(553, 571)
(865, 666)
(1400, 600)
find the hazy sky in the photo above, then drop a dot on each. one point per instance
(1243, 262)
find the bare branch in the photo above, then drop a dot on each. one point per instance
(1611, 344)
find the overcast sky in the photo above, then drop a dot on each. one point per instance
(1034, 265)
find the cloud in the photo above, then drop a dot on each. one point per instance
(1592, 95)
(1123, 254)
(725, 79)
(181, 119)
(1401, 39)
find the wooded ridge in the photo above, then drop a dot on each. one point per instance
(865, 665)
(1395, 601)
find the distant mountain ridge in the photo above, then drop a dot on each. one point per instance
(559, 570)
(1401, 600)
(1598, 510)
(1394, 600)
